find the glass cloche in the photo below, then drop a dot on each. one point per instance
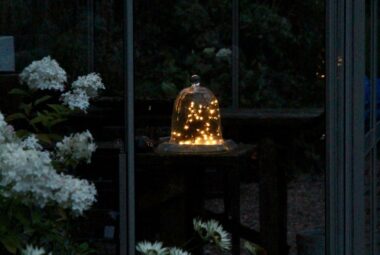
(196, 123)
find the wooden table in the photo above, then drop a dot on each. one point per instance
(193, 165)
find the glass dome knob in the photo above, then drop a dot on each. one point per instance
(195, 80)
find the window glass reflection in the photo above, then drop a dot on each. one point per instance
(282, 54)
(41, 28)
(178, 39)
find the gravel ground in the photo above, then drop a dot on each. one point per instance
(306, 208)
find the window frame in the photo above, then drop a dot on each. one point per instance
(346, 144)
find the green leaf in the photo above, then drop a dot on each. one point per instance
(55, 137)
(45, 138)
(11, 243)
(17, 91)
(36, 217)
(42, 99)
(58, 108)
(169, 89)
(57, 121)
(27, 108)
(39, 118)
(16, 116)
(22, 218)
(22, 133)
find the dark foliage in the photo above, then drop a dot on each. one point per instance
(281, 45)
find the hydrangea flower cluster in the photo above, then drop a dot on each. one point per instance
(27, 172)
(7, 133)
(90, 84)
(76, 148)
(31, 250)
(76, 99)
(223, 53)
(45, 74)
(31, 142)
(213, 233)
(83, 89)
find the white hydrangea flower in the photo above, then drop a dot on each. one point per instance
(31, 142)
(45, 74)
(7, 133)
(178, 251)
(212, 232)
(90, 84)
(75, 194)
(76, 99)
(31, 250)
(223, 53)
(76, 148)
(26, 171)
(148, 248)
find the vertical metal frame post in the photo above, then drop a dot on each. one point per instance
(374, 165)
(128, 202)
(334, 123)
(235, 53)
(345, 127)
(90, 35)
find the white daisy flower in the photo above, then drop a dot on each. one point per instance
(201, 228)
(178, 251)
(148, 248)
(213, 233)
(45, 74)
(30, 250)
(218, 236)
(253, 249)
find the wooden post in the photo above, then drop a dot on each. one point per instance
(273, 199)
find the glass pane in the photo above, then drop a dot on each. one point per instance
(367, 79)
(282, 61)
(173, 41)
(41, 28)
(281, 66)
(178, 39)
(108, 44)
(62, 29)
(368, 203)
(378, 66)
(376, 179)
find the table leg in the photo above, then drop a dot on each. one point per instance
(273, 200)
(233, 206)
(194, 196)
